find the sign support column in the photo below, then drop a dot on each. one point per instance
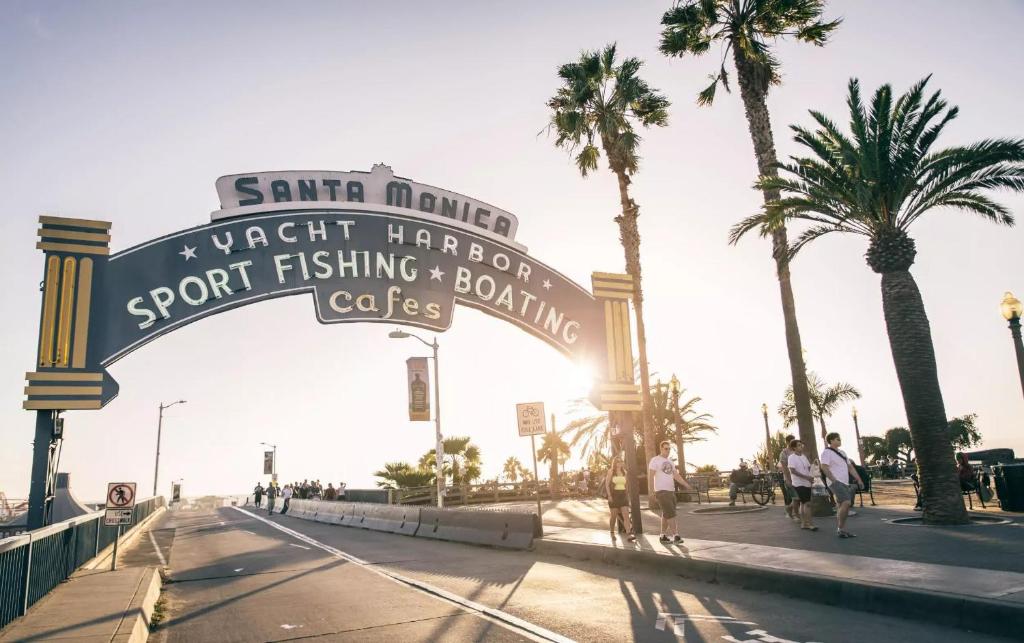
(618, 393)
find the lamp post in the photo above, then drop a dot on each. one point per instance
(159, 429)
(675, 389)
(438, 449)
(767, 431)
(273, 463)
(1012, 310)
(860, 445)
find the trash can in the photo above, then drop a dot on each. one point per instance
(1010, 486)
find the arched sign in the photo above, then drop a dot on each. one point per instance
(367, 247)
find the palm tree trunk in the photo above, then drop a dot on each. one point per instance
(756, 107)
(824, 431)
(910, 339)
(629, 235)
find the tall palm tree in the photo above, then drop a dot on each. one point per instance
(681, 424)
(600, 103)
(876, 181)
(746, 29)
(825, 400)
(553, 450)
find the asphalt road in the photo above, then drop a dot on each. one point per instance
(238, 577)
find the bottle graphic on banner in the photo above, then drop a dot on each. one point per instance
(419, 389)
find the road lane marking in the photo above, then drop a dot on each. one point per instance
(299, 546)
(504, 619)
(159, 554)
(676, 623)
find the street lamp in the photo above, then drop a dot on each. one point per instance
(1012, 310)
(438, 449)
(767, 431)
(860, 445)
(159, 428)
(273, 463)
(675, 389)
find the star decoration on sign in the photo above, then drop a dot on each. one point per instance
(188, 253)
(546, 284)
(436, 273)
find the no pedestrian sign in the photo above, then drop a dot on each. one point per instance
(530, 416)
(120, 495)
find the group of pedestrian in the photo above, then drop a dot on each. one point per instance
(834, 467)
(304, 490)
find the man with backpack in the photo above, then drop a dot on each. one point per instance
(840, 474)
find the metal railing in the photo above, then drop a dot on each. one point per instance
(33, 563)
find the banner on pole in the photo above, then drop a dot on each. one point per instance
(268, 463)
(419, 389)
(176, 492)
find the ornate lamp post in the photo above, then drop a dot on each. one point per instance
(675, 389)
(767, 431)
(1012, 310)
(860, 445)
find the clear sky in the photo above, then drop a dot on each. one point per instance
(128, 112)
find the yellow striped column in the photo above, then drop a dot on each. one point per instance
(618, 390)
(62, 379)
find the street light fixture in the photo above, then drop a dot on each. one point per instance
(159, 429)
(1012, 310)
(438, 448)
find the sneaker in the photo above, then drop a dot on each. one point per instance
(845, 534)
(677, 539)
(665, 540)
(852, 513)
(732, 503)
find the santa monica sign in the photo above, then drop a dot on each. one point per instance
(367, 247)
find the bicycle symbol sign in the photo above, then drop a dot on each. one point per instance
(120, 495)
(530, 417)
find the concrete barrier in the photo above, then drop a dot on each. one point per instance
(305, 509)
(497, 529)
(394, 519)
(333, 512)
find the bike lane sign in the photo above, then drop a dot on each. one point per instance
(530, 416)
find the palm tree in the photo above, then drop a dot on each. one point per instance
(511, 469)
(825, 400)
(681, 424)
(461, 460)
(600, 103)
(746, 28)
(876, 182)
(553, 450)
(402, 475)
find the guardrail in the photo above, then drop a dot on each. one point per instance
(33, 563)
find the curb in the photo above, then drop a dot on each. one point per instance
(971, 613)
(134, 626)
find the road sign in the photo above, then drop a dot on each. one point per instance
(114, 517)
(120, 495)
(530, 416)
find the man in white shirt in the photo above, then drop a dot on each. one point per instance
(840, 473)
(793, 508)
(800, 473)
(661, 479)
(288, 491)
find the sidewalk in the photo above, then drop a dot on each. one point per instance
(968, 577)
(96, 605)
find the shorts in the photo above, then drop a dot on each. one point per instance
(667, 502)
(843, 492)
(618, 499)
(803, 493)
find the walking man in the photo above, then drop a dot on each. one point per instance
(800, 472)
(662, 472)
(840, 473)
(793, 502)
(287, 494)
(271, 497)
(257, 494)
